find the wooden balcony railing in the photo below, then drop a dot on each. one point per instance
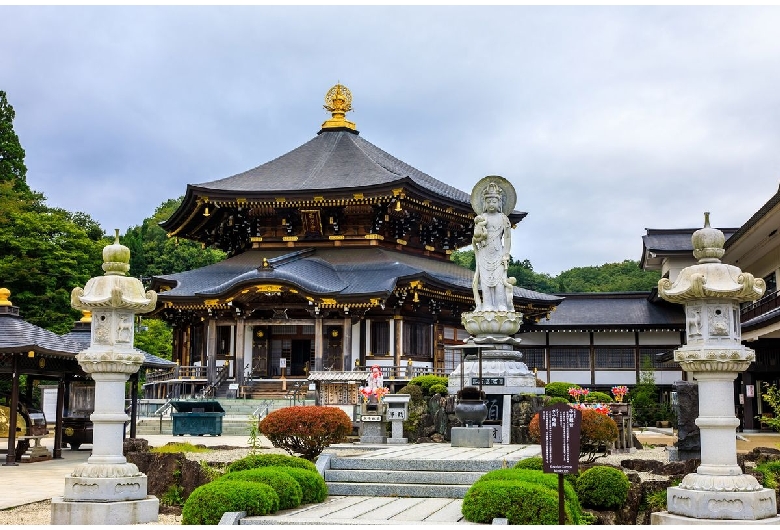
(767, 302)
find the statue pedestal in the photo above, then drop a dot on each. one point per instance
(103, 513)
(373, 423)
(472, 437)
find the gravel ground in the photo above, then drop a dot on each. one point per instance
(39, 513)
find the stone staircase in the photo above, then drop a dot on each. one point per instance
(448, 477)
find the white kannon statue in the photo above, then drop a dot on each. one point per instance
(492, 242)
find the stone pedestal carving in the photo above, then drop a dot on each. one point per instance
(107, 489)
(714, 355)
(397, 413)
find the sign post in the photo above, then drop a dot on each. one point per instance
(559, 426)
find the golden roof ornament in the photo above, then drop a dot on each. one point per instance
(4, 295)
(338, 101)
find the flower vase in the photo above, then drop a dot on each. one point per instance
(619, 398)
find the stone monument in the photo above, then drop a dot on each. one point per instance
(713, 355)
(107, 489)
(497, 368)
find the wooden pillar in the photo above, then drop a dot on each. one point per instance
(362, 343)
(211, 350)
(318, 345)
(399, 344)
(238, 369)
(346, 345)
(57, 453)
(10, 458)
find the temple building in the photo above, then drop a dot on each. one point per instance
(338, 258)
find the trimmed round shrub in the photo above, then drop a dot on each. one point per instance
(427, 381)
(253, 461)
(207, 503)
(414, 391)
(537, 476)
(534, 462)
(554, 401)
(598, 397)
(285, 486)
(306, 431)
(438, 389)
(520, 502)
(603, 488)
(312, 484)
(560, 389)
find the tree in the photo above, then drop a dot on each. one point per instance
(12, 168)
(156, 337)
(153, 253)
(610, 277)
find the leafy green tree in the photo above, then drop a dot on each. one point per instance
(610, 277)
(523, 271)
(156, 337)
(12, 167)
(464, 258)
(153, 253)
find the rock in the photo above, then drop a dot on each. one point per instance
(135, 445)
(164, 470)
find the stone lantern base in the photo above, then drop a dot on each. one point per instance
(718, 507)
(104, 513)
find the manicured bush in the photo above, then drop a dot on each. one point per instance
(207, 503)
(771, 474)
(427, 381)
(306, 431)
(559, 389)
(555, 400)
(598, 397)
(285, 486)
(596, 433)
(537, 476)
(603, 488)
(534, 462)
(415, 391)
(439, 389)
(253, 461)
(312, 484)
(520, 502)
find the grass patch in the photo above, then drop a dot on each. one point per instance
(179, 447)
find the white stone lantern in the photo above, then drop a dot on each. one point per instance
(107, 489)
(713, 355)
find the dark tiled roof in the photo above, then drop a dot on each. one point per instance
(332, 160)
(629, 311)
(335, 271)
(770, 317)
(674, 240)
(17, 335)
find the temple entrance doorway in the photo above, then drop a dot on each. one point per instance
(301, 354)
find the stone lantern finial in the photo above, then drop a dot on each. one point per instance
(4, 295)
(116, 257)
(708, 243)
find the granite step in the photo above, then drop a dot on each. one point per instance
(402, 477)
(437, 491)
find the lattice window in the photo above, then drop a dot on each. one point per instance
(615, 358)
(417, 340)
(648, 357)
(569, 358)
(284, 330)
(533, 358)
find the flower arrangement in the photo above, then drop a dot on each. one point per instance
(367, 392)
(601, 408)
(619, 392)
(578, 393)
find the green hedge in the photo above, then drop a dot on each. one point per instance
(285, 486)
(427, 381)
(207, 503)
(560, 389)
(520, 502)
(603, 487)
(253, 461)
(312, 484)
(537, 476)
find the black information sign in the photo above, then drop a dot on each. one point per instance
(560, 426)
(488, 381)
(495, 406)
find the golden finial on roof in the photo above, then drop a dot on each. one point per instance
(338, 101)
(4, 294)
(86, 316)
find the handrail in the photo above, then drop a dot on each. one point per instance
(222, 375)
(265, 403)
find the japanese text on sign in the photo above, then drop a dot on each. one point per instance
(488, 381)
(560, 426)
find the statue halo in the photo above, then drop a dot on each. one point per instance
(509, 199)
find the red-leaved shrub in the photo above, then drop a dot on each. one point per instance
(597, 432)
(306, 431)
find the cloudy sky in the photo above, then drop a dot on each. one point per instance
(607, 120)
